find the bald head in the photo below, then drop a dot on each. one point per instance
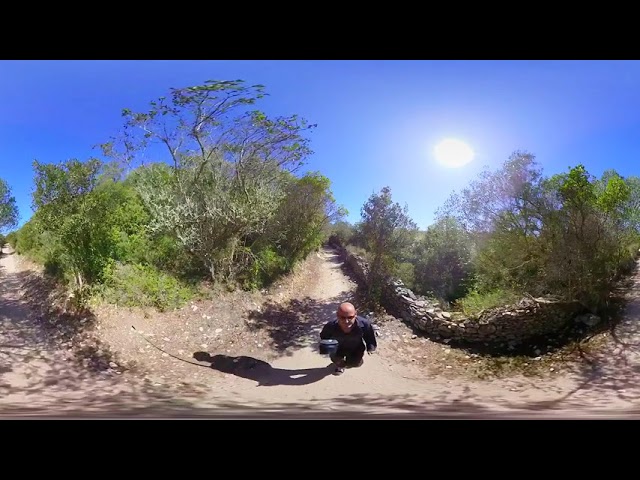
(346, 309)
(346, 316)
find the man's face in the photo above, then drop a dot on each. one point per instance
(346, 318)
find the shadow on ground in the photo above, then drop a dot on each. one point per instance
(262, 372)
(297, 323)
(610, 368)
(402, 407)
(48, 357)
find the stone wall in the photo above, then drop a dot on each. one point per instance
(531, 317)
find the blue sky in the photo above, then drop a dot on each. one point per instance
(378, 121)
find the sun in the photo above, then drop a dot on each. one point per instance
(453, 153)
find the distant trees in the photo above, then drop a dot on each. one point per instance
(8, 207)
(386, 231)
(569, 235)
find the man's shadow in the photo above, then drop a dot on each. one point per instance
(262, 372)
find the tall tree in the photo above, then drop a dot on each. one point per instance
(8, 207)
(228, 161)
(387, 231)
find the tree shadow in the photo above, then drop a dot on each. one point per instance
(297, 323)
(372, 406)
(610, 368)
(262, 372)
(48, 356)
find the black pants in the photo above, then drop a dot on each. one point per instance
(352, 357)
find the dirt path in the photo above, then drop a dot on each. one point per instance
(40, 374)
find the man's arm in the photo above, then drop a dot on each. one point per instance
(327, 331)
(369, 337)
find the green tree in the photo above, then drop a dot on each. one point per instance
(387, 231)
(228, 168)
(8, 207)
(443, 260)
(504, 214)
(586, 235)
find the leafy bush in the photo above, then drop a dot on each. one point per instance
(140, 285)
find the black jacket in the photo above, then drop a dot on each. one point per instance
(362, 332)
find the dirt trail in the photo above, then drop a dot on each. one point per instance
(38, 375)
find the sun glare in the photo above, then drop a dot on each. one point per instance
(453, 153)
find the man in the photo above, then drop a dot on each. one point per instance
(353, 333)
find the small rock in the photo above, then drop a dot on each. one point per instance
(259, 345)
(448, 366)
(218, 330)
(113, 365)
(538, 358)
(467, 357)
(166, 339)
(552, 369)
(537, 351)
(203, 345)
(165, 354)
(414, 336)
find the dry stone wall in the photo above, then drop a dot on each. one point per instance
(531, 317)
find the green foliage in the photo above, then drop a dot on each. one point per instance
(341, 232)
(12, 238)
(227, 203)
(306, 209)
(405, 271)
(443, 260)
(568, 234)
(266, 267)
(387, 231)
(231, 171)
(140, 285)
(475, 302)
(8, 207)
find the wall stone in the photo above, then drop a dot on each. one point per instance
(530, 317)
